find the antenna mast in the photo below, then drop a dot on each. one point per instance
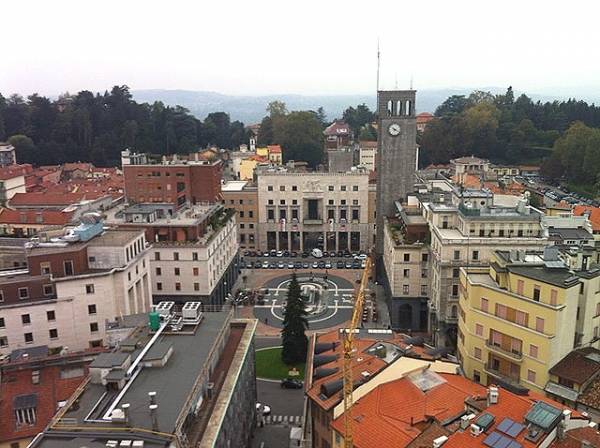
(378, 62)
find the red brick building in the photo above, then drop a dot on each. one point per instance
(174, 182)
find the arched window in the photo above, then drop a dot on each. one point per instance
(454, 312)
(407, 110)
(390, 108)
(398, 107)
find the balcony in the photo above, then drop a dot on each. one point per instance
(512, 355)
(502, 377)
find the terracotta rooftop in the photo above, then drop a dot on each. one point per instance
(338, 127)
(594, 214)
(51, 199)
(17, 388)
(578, 366)
(574, 438)
(393, 414)
(39, 217)
(275, 149)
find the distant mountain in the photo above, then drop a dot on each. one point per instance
(251, 109)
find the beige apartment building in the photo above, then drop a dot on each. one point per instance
(195, 249)
(302, 211)
(243, 197)
(466, 228)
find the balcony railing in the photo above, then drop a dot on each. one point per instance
(501, 351)
(317, 221)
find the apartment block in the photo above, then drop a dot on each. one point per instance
(518, 318)
(302, 211)
(243, 197)
(195, 249)
(174, 180)
(406, 262)
(187, 379)
(75, 290)
(467, 227)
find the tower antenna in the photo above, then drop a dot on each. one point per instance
(411, 82)
(378, 63)
(396, 87)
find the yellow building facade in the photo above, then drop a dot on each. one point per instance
(517, 318)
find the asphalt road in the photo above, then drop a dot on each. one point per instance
(309, 260)
(283, 402)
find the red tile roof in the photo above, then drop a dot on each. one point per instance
(50, 390)
(51, 199)
(574, 437)
(275, 149)
(338, 127)
(424, 117)
(594, 214)
(576, 366)
(393, 413)
(11, 171)
(37, 217)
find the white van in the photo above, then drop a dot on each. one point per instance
(317, 253)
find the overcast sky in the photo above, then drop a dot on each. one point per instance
(309, 47)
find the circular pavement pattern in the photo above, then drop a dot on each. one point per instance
(329, 300)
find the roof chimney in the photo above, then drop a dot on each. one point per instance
(125, 408)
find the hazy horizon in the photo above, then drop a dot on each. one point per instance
(316, 48)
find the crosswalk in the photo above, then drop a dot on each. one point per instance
(283, 420)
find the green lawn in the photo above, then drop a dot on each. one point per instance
(269, 365)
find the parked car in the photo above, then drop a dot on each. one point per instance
(273, 253)
(317, 253)
(361, 257)
(321, 265)
(305, 254)
(259, 253)
(356, 264)
(272, 265)
(328, 265)
(305, 265)
(293, 254)
(257, 265)
(281, 265)
(249, 265)
(291, 383)
(280, 253)
(340, 264)
(265, 264)
(315, 265)
(348, 265)
(246, 253)
(286, 253)
(290, 265)
(363, 264)
(298, 265)
(340, 253)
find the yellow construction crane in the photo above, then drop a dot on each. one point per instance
(349, 352)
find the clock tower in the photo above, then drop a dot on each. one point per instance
(396, 152)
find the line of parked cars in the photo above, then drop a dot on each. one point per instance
(315, 253)
(340, 264)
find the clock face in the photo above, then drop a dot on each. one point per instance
(394, 129)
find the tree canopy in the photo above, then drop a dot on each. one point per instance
(501, 128)
(300, 133)
(294, 340)
(97, 127)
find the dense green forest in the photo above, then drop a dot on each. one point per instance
(561, 135)
(564, 136)
(96, 127)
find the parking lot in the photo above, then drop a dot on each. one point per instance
(304, 260)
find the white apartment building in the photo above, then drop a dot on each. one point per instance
(74, 291)
(195, 249)
(466, 228)
(302, 211)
